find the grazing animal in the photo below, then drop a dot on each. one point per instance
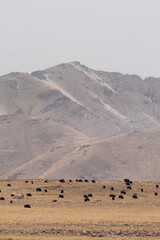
(0, 190)
(141, 189)
(93, 181)
(112, 188)
(126, 180)
(86, 180)
(19, 196)
(77, 180)
(2, 198)
(46, 181)
(135, 196)
(120, 196)
(38, 189)
(104, 186)
(112, 195)
(61, 196)
(80, 180)
(11, 201)
(85, 196)
(86, 200)
(62, 180)
(27, 206)
(62, 191)
(32, 182)
(54, 200)
(157, 186)
(127, 183)
(113, 198)
(90, 195)
(12, 195)
(123, 192)
(9, 185)
(129, 187)
(155, 193)
(29, 194)
(45, 190)
(26, 181)
(70, 180)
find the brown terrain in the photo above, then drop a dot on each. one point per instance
(74, 122)
(70, 217)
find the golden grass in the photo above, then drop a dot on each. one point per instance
(72, 218)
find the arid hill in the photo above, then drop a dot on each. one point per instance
(23, 139)
(74, 122)
(99, 104)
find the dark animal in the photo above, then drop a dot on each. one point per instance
(61, 196)
(112, 195)
(62, 191)
(77, 180)
(86, 180)
(135, 196)
(104, 186)
(26, 181)
(90, 195)
(113, 198)
(126, 180)
(32, 182)
(2, 198)
(127, 183)
(12, 195)
(54, 200)
(29, 194)
(120, 196)
(93, 181)
(70, 180)
(45, 190)
(141, 189)
(86, 200)
(62, 180)
(38, 189)
(123, 192)
(157, 186)
(9, 185)
(112, 188)
(27, 206)
(155, 193)
(80, 180)
(85, 196)
(11, 201)
(129, 187)
(46, 181)
(0, 190)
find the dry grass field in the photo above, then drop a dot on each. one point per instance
(72, 218)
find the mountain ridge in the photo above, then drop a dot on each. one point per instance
(95, 108)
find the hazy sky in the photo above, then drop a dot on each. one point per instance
(111, 35)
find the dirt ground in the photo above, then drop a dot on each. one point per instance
(51, 217)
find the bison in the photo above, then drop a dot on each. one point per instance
(61, 196)
(27, 206)
(86, 200)
(29, 194)
(62, 180)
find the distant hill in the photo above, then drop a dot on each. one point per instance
(60, 121)
(23, 139)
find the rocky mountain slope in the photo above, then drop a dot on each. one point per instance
(84, 106)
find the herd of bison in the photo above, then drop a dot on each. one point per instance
(86, 197)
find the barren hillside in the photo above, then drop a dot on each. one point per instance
(73, 121)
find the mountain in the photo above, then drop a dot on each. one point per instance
(23, 139)
(61, 120)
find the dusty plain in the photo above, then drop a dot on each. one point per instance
(72, 218)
